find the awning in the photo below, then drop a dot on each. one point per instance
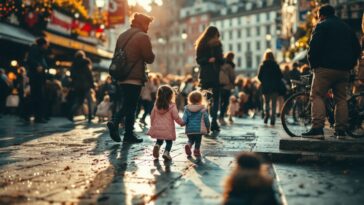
(77, 45)
(16, 34)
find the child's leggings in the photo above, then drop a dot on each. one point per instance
(195, 139)
(168, 144)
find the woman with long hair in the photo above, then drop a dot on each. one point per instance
(270, 75)
(209, 56)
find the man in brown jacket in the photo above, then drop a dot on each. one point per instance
(139, 53)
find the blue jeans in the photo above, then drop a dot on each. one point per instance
(195, 139)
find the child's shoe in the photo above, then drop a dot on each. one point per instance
(166, 156)
(156, 151)
(197, 153)
(188, 150)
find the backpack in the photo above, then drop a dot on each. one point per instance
(119, 69)
(224, 77)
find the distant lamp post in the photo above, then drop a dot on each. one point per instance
(14, 63)
(268, 37)
(77, 15)
(184, 36)
(100, 3)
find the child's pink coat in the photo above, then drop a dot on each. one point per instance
(162, 123)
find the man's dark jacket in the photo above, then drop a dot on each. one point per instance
(81, 75)
(36, 58)
(333, 45)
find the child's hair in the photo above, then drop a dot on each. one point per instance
(106, 98)
(196, 97)
(232, 98)
(165, 96)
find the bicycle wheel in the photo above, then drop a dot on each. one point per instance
(296, 114)
(356, 116)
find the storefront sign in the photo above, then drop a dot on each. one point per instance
(116, 13)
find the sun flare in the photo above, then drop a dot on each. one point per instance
(146, 4)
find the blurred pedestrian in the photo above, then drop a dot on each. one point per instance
(227, 79)
(334, 51)
(197, 122)
(37, 65)
(210, 58)
(4, 91)
(233, 109)
(163, 116)
(249, 183)
(139, 52)
(81, 84)
(104, 109)
(147, 97)
(270, 76)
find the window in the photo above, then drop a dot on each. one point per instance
(267, 16)
(248, 47)
(230, 35)
(230, 22)
(267, 29)
(268, 44)
(239, 33)
(258, 17)
(239, 47)
(258, 45)
(258, 31)
(239, 61)
(258, 59)
(239, 21)
(248, 32)
(249, 61)
(230, 47)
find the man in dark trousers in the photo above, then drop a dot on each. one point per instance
(334, 51)
(37, 65)
(139, 53)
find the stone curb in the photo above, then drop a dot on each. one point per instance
(343, 146)
(311, 157)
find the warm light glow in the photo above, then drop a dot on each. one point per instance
(14, 63)
(52, 71)
(146, 4)
(184, 36)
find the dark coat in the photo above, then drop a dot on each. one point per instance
(36, 58)
(81, 75)
(270, 75)
(209, 72)
(333, 45)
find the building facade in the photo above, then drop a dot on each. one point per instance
(249, 28)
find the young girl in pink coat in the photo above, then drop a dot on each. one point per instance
(163, 116)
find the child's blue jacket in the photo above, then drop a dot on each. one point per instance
(196, 119)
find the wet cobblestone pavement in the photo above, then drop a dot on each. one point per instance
(67, 163)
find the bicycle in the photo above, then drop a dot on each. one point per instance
(296, 111)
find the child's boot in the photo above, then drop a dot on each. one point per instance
(166, 155)
(188, 150)
(156, 151)
(197, 153)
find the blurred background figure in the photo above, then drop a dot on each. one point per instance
(270, 76)
(81, 85)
